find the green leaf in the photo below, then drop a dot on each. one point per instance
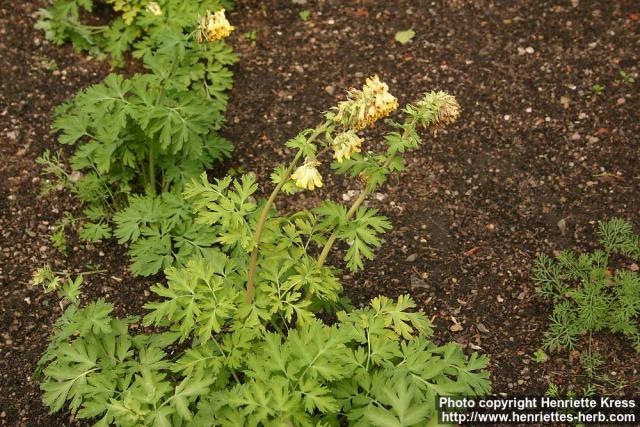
(361, 233)
(95, 232)
(404, 37)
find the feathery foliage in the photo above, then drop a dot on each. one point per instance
(589, 295)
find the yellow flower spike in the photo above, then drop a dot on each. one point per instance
(154, 8)
(307, 176)
(213, 26)
(363, 107)
(345, 145)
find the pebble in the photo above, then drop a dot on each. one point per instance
(412, 257)
(592, 139)
(575, 137)
(330, 89)
(483, 329)
(621, 101)
(456, 327)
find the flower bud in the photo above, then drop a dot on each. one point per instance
(437, 110)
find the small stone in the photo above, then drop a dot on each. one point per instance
(456, 327)
(529, 50)
(417, 282)
(330, 89)
(483, 329)
(592, 139)
(575, 137)
(507, 117)
(565, 101)
(412, 257)
(562, 226)
(621, 101)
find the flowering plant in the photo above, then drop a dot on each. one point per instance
(135, 138)
(239, 319)
(141, 24)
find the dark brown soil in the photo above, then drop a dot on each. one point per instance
(475, 206)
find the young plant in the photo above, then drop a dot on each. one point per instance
(241, 319)
(590, 296)
(626, 77)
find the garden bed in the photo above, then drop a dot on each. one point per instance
(535, 160)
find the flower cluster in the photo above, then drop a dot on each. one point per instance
(345, 145)
(363, 107)
(436, 110)
(307, 175)
(213, 26)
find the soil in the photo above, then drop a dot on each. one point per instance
(535, 160)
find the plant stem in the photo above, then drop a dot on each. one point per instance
(253, 262)
(354, 207)
(152, 168)
(327, 247)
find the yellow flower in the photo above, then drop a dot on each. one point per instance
(364, 107)
(345, 145)
(154, 8)
(213, 26)
(307, 176)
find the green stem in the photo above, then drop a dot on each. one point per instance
(327, 247)
(152, 168)
(354, 207)
(253, 262)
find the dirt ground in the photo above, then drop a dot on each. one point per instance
(535, 146)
